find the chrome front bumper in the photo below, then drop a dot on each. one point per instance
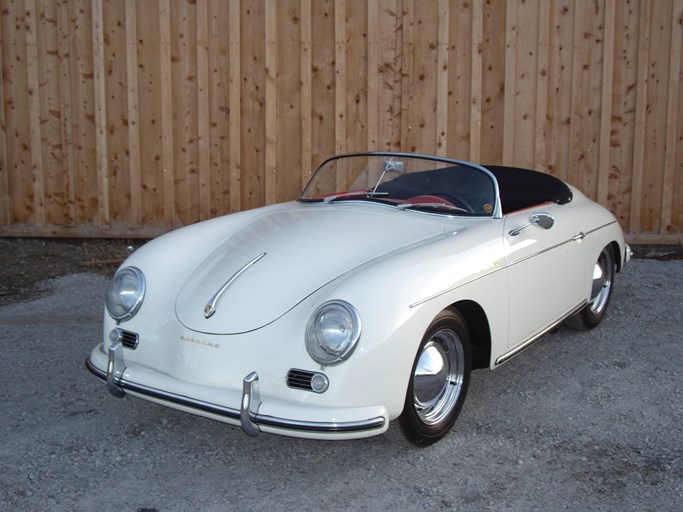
(247, 416)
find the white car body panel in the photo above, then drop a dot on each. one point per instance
(295, 240)
(399, 272)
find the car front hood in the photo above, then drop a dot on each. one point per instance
(270, 265)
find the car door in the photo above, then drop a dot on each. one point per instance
(545, 269)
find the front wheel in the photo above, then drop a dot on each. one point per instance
(601, 292)
(439, 380)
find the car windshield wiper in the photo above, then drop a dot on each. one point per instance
(436, 206)
(362, 193)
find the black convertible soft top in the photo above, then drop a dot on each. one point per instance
(523, 188)
(519, 188)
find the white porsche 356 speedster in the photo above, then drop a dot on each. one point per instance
(370, 298)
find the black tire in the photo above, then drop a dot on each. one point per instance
(439, 380)
(601, 293)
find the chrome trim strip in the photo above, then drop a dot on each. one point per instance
(519, 348)
(234, 414)
(307, 426)
(100, 374)
(450, 289)
(547, 249)
(601, 227)
(575, 238)
(210, 307)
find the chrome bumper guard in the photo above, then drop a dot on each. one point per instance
(247, 415)
(115, 369)
(251, 400)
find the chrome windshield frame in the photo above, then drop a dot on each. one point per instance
(497, 212)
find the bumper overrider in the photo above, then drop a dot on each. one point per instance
(112, 368)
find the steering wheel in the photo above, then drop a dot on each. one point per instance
(455, 200)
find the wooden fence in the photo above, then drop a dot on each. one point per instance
(130, 118)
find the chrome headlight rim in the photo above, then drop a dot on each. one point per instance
(321, 351)
(115, 289)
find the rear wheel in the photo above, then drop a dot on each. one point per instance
(601, 292)
(439, 380)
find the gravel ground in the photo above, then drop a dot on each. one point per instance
(580, 421)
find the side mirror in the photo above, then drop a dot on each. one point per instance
(541, 219)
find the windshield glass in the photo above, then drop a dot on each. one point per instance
(406, 182)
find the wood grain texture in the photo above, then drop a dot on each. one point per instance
(132, 118)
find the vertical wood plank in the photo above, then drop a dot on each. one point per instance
(422, 79)
(493, 81)
(67, 114)
(373, 31)
(119, 121)
(252, 103)
(306, 92)
(151, 124)
(525, 87)
(323, 55)
(408, 73)
(166, 113)
(37, 171)
(477, 82)
(4, 162)
(541, 122)
(185, 94)
(16, 107)
(590, 130)
(624, 78)
(54, 190)
(395, 28)
(462, 62)
(133, 114)
(100, 113)
(577, 92)
(218, 117)
(606, 101)
(340, 75)
(271, 101)
(235, 107)
(84, 131)
(561, 56)
(677, 201)
(656, 117)
(203, 116)
(340, 88)
(82, 86)
(510, 83)
(442, 75)
(357, 66)
(288, 107)
(672, 119)
(640, 120)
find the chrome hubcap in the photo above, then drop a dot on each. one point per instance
(602, 283)
(438, 377)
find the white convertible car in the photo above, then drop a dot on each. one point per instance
(370, 298)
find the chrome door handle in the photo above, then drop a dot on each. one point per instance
(579, 237)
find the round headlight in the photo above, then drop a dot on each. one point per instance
(332, 332)
(125, 294)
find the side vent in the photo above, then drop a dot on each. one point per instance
(130, 339)
(127, 338)
(308, 381)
